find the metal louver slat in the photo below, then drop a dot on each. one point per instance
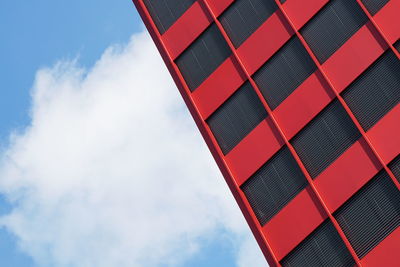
(376, 91)
(274, 185)
(284, 72)
(243, 17)
(395, 167)
(322, 248)
(374, 6)
(371, 214)
(203, 57)
(325, 138)
(166, 12)
(236, 118)
(333, 26)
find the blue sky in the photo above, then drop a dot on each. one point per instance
(35, 36)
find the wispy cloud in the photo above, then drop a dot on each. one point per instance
(112, 170)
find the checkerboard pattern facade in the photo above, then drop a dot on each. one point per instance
(298, 101)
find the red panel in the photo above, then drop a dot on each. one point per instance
(388, 20)
(385, 135)
(355, 56)
(185, 30)
(294, 223)
(303, 104)
(264, 42)
(386, 253)
(218, 6)
(222, 83)
(300, 11)
(347, 174)
(254, 150)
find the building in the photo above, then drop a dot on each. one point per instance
(298, 101)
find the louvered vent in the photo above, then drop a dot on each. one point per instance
(371, 214)
(165, 12)
(203, 57)
(284, 72)
(243, 17)
(374, 6)
(395, 167)
(274, 185)
(375, 92)
(236, 118)
(322, 248)
(325, 138)
(333, 26)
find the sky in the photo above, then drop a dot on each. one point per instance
(95, 168)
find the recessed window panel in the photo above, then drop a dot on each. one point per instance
(165, 12)
(236, 118)
(325, 138)
(395, 167)
(374, 6)
(203, 57)
(322, 248)
(376, 91)
(371, 214)
(243, 17)
(333, 26)
(274, 185)
(284, 72)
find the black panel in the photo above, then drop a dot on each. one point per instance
(325, 138)
(236, 118)
(374, 6)
(376, 91)
(273, 186)
(284, 72)
(333, 26)
(283, 1)
(395, 167)
(203, 57)
(243, 17)
(322, 248)
(397, 45)
(165, 12)
(371, 214)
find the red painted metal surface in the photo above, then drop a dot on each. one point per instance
(182, 33)
(301, 11)
(347, 174)
(207, 98)
(254, 150)
(294, 223)
(264, 42)
(312, 96)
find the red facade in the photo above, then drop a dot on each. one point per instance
(299, 104)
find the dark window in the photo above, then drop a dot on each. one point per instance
(273, 186)
(371, 214)
(325, 138)
(395, 167)
(283, 1)
(166, 12)
(333, 26)
(322, 248)
(236, 118)
(374, 6)
(375, 92)
(203, 57)
(284, 72)
(243, 17)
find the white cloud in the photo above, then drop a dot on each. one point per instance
(112, 170)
